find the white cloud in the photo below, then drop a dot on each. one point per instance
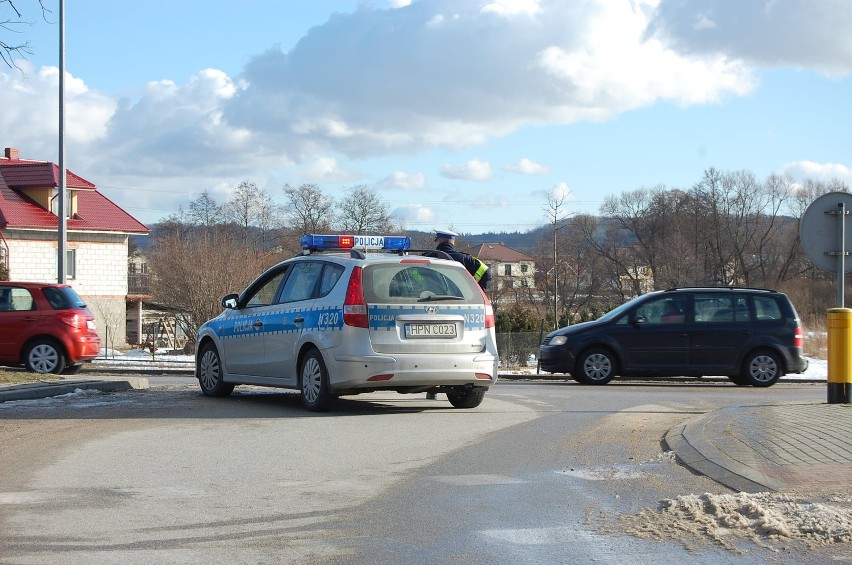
(513, 7)
(561, 191)
(415, 215)
(801, 171)
(527, 167)
(327, 169)
(404, 181)
(797, 33)
(475, 170)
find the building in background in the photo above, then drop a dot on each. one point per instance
(512, 275)
(97, 233)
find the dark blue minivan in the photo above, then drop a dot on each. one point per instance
(752, 336)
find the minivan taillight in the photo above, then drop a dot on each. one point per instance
(798, 337)
(354, 305)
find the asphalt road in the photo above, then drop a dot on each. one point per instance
(541, 472)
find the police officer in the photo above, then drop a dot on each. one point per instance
(446, 240)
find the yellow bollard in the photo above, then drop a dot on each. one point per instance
(839, 356)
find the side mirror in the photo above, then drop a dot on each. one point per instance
(230, 301)
(639, 320)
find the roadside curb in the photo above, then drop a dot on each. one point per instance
(692, 447)
(44, 389)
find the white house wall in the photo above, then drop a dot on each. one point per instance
(100, 278)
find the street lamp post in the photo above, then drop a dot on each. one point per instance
(556, 279)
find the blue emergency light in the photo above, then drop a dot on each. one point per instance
(380, 242)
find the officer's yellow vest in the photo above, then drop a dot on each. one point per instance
(481, 270)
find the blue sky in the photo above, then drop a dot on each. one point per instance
(461, 114)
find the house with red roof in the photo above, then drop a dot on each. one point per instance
(513, 272)
(97, 235)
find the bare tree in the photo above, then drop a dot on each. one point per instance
(192, 274)
(362, 212)
(252, 210)
(11, 20)
(205, 211)
(308, 210)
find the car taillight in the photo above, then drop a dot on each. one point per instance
(489, 310)
(76, 321)
(354, 305)
(798, 337)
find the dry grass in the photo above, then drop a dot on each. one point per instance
(816, 338)
(15, 376)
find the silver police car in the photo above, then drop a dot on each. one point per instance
(331, 324)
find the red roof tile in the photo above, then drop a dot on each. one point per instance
(501, 253)
(95, 212)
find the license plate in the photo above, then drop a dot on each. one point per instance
(430, 330)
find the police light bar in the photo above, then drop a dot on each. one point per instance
(382, 242)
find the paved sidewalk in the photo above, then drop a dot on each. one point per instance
(787, 447)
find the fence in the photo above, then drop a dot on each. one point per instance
(518, 349)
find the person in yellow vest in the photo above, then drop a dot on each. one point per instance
(446, 243)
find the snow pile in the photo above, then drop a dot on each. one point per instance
(767, 519)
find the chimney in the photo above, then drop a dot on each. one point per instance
(12, 153)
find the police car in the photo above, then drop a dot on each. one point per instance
(336, 320)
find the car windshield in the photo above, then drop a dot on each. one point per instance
(616, 312)
(400, 283)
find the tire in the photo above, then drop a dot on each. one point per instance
(761, 369)
(466, 397)
(313, 382)
(72, 369)
(595, 367)
(737, 380)
(210, 374)
(44, 356)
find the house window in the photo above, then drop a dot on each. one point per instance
(71, 263)
(508, 271)
(524, 267)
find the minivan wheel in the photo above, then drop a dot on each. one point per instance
(595, 367)
(210, 374)
(44, 356)
(761, 368)
(313, 382)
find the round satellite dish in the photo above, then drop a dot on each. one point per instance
(819, 231)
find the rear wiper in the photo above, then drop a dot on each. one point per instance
(439, 297)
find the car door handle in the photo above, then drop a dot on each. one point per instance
(298, 320)
(258, 324)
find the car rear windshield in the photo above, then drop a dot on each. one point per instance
(400, 283)
(63, 298)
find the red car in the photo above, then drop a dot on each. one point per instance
(45, 327)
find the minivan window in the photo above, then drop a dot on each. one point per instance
(664, 310)
(766, 308)
(721, 308)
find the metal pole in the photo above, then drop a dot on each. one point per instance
(555, 284)
(841, 267)
(61, 215)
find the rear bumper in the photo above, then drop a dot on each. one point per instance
(403, 371)
(84, 349)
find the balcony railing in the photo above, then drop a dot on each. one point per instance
(138, 283)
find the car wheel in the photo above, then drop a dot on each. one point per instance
(72, 369)
(210, 374)
(762, 369)
(595, 367)
(466, 397)
(313, 382)
(737, 380)
(44, 356)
